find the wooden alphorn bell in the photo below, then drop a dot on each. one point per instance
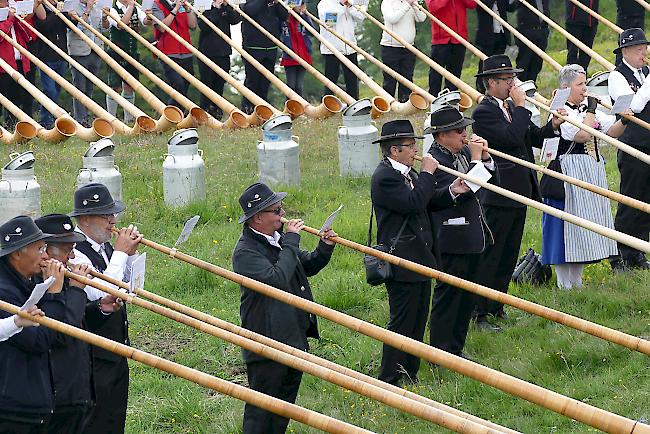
(580, 411)
(258, 399)
(413, 105)
(26, 127)
(201, 316)
(329, 106)
(197, 116)
(384, 396)
(236, 118)
(263, 109)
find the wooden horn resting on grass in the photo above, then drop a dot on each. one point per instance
(64, 125)
(170, 115)
(197, 116)
(376, 393)
(372, 59)
(263, 109)
(275, 405)
(580, 411)
(330, 104)
(340, 93)
(413, 105)
(204, 317)
(236, 118)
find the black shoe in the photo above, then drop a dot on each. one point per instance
(502, 315)
(485, 326)
(637, 262)
(617, 264)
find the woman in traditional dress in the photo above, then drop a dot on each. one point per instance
(567, 246)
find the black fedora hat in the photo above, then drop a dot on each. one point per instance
(447, 118)
(399, 129)
(498, 64)
(60, 228)
(95, 199)
(630, 37)
(17, 233)
(257, 197)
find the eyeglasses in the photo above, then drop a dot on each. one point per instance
(43, 249)
(108, 216)
(508, 80)
(411, 145)
(460, 130)
(276, 211)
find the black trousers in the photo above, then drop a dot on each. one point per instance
(526, 58)
(214, 82)
(295, 77)
(452, 307)
(69, 420)
(635, 179)
(274, 379)
(112, 394)
(450, 57)
(498, 44)
(403, 62)
(16, 423)
(16, 94)
(409, 309)
(585, 35)
(175, 80)
(255, 80)
(498, 261)
(628, 22)
(333, 67)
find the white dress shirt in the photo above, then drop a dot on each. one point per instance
(569, 130)
(273, 240)
(617, 85)
(8, 328)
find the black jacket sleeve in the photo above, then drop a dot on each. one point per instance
(315, 261)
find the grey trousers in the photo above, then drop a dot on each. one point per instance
(91, 62)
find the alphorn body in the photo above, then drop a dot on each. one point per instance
(196, 116)
(415, 103)
(236, 119)
(377, 393)
(143, 122)
(170, 115)
(275, 405)
(26, 127)
(64, 125)
(340, 93)
(329, 105)
(265, 110)
(580, 411)
(299, 353)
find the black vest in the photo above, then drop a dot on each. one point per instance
(635, 135)
(114, 326)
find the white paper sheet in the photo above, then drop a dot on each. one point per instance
(560, 98)
(328, 222)
(70, 6)
(4, 14)
(203, 5)
(25, 7)
(622, 103)
(187, 230)
(479, 172)
(549, 149)
(104, 4)
(138, 269)
(147, 5)
(458, 221)
(39, 291)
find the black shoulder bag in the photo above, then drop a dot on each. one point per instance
(550, 187)
(379, 271)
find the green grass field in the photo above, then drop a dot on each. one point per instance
(533, 349)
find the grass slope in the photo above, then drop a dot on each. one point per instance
(530, 348)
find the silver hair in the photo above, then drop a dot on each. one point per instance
(569, 73)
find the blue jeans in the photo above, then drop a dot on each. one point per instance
(51, 89)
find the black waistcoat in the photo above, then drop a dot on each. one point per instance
(113, 326)
(635, 135)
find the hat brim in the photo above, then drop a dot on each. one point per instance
(397, 136)
(115, 208)
(617, 50)
(26, 242)
(464, 122)
(499, 71)
(71, 237)
(274, 198)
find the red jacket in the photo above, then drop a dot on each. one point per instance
(166, 42)
(454, 14)
(7, 50)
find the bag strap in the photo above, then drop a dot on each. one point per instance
(401, 229)
(392, 246)
(372, 210)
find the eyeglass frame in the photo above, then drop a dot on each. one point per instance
(276, 211)
(508, 80)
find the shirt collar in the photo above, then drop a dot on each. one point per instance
(95, 245)
(401, 168)
(273, 240)
(632, 67)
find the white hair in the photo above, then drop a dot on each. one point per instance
(569, 73)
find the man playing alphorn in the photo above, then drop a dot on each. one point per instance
(270, 255)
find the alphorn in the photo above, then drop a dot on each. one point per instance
(415, 103)
(624, 147)
(580, 411)
(266, 111)
(143, 122)
(258, 399)
(390, 399)
(340, 93)
(201, 316)
(330, 104)
(236, 118)
(197, 116)
(65, 126)
(170, 115)
(372, 59)
(26, 127)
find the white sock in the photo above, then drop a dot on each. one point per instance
(111, 105)
(128, 117)
(569, 275)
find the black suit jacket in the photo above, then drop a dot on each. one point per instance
(485, 23)
(472, 237)
(393, 201)
(516, 138)
(527, 19)
(286, 269)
